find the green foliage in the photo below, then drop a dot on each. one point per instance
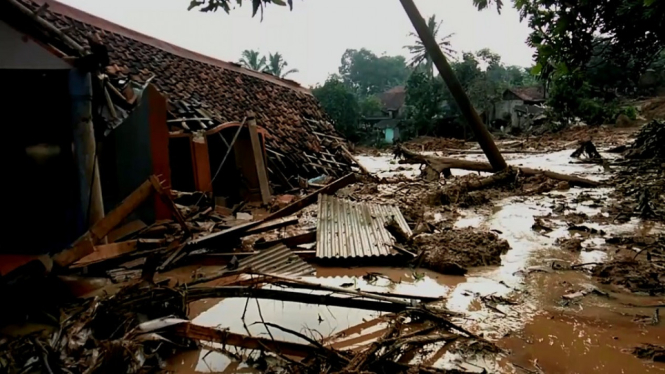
(598, 48)
(225, 5)
(429, 101)
(370, 106)
(341, 105)
(425, 97)
(630, 112)
(420, 57)
(276, 66)
(368, 74)
(253, 60)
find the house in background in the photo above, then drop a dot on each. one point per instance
(518, 104)
(390, 129)
(393, 101)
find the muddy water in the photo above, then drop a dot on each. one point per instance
(594, 334)
(343, 328)
(540, 332)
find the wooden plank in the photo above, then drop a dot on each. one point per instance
(106, 252)
(291, 241)
(209, 334)
(312, 198)
(166, 199)
(85, 244)
(258, 158)
(272, 225)
(125, 231)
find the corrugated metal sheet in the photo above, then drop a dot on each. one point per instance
(278, 260)
(351, 229)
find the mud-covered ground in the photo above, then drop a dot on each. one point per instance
(562, 279)
(575, 275)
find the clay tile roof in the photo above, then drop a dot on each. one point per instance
(533, 93)
(394, 98)
(225, 89)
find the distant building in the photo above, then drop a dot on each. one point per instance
(518, 105)
(393, 101)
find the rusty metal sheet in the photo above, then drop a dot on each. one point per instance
(347, 229)
(278, 260)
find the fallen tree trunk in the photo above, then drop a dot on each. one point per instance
(441, 163)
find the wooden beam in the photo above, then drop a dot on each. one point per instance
(291, 241)
(85, 244)
(257, 149)
(312, 198)
(198, 293)
(277, 223)
(106, 252)
(210, 334)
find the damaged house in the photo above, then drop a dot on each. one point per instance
(519, 106)
(89, 92)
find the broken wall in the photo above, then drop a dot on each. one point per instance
(134, 151)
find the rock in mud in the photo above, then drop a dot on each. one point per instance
(464, 248)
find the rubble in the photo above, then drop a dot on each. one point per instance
(451, 250)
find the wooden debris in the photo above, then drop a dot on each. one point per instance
(442, 163)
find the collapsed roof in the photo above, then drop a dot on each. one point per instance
(301, 140)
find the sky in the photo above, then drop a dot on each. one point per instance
(313, 37)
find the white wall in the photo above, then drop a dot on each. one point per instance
(19, 52)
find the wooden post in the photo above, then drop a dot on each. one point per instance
(258, 158)
(462, 100)
(80, 89)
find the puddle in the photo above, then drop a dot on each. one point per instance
(349, 327)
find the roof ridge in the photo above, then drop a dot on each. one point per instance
(106, 25)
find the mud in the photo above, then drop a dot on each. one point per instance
(641, 277)
(427, 144)
(449, 250)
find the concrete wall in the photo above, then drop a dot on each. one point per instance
(507, 108)
(17, 51)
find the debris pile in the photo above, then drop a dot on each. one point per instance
(429, 144)
(649, 142)
(451, 250)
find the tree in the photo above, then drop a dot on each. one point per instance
(569, 35)
(276, 66)
(253, 60)
(420, 55)
(214, 5)
(340, 104)
(368, 74)
(370, 106)
(425, 98)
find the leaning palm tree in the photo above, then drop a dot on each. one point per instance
(420, 55)
(252, 60)
(276, 66)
